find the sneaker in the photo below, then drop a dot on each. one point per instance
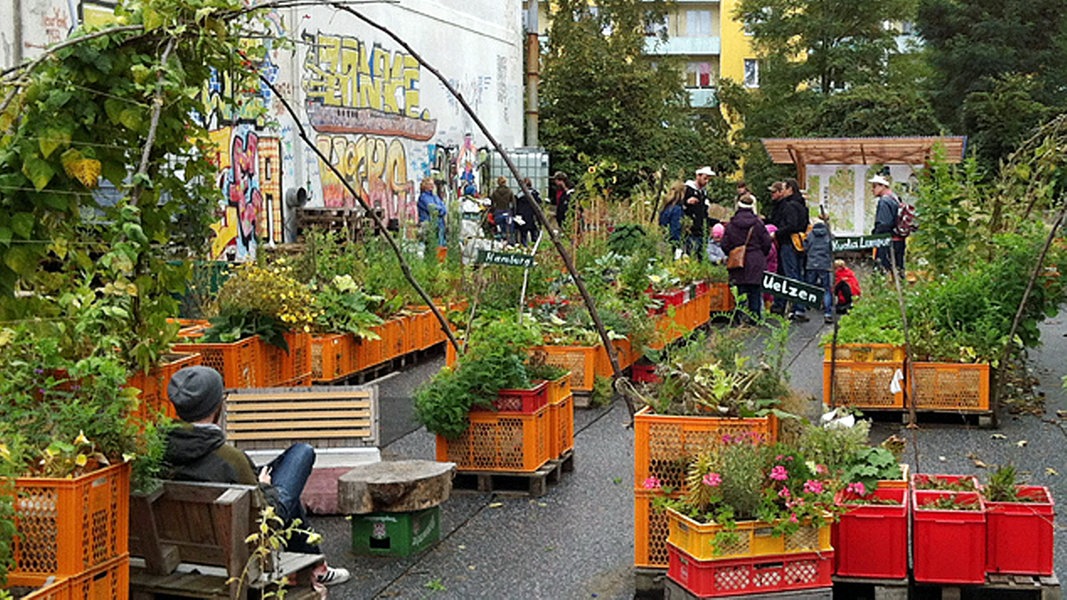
(800, 317)
(334, 576)
(828, 319)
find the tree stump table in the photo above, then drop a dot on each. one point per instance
(395, 505)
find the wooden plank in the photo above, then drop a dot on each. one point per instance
(313, 414)
(319, 433)
(241, 396)
(268, 423)
(249, 407)
(199, 493)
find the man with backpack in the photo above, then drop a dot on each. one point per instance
(886, 220)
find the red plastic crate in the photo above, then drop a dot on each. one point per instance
(919, 479)
(522, 401)
(948, 546)
(67, 526)
(871, 540)
(644, 373)
(671, 298)
(702, 288)
(734, 577)
(1019, 535)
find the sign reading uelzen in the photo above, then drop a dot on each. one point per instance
(791, 289)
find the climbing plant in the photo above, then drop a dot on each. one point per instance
(105, 180)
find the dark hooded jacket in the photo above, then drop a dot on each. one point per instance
(819, 248)
(201, 454)
(758, 246)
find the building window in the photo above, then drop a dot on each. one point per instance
(698, 75)
(751, 73)
(698, 23)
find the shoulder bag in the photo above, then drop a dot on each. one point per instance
(736, 258)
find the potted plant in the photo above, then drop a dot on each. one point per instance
(344, 315)
(259, 336)
(460, 403)
(68, 446)
(1019, 525)
(871, 538)
(948, 530)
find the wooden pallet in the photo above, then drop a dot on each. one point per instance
(1029, 587)
(673, 591)
(861, 588)
(534, 484)
(649, 582)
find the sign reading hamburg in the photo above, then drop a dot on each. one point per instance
(491, 257)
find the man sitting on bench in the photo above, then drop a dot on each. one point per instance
(197, 451)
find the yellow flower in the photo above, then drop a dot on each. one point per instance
(81, 460)
(81, 440)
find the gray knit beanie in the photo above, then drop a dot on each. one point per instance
(195, 392)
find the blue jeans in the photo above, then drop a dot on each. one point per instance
(695, 247)
(502, 218)
(790, 264)
(824, 279)
(289, 474)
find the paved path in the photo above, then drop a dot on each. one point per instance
(577, 541)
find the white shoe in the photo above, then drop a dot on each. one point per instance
(334, 576)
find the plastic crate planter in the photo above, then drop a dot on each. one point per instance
(951, 386)
(722, 298)
(69, 526)
(871, 540)
(331, 356)
(664, 444)
(281, 367)
(238, 362)
(738, 577)
(754, 539)
(1020, 534)
(948, 546)
(522, 401)
(579, 360)
(496, 441)
(862, 375)
(153, 385)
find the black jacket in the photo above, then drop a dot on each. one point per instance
(792, 217)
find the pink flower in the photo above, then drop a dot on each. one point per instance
(783, 493)
(726, 439)
(856, 488)
(779, 457)
(821, 469)
(778, 473)
(712, 479)
(812, 486)
(652, 483)
(793, 518)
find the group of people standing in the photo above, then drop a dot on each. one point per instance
(785, 240)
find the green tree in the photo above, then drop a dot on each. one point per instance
(602, 98)
(874, 110)
(828, 44)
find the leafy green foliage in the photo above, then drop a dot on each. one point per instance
(1002, 485)
(495, 360)
(344, 308)
(870, 465)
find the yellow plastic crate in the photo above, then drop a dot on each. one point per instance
(754, 538)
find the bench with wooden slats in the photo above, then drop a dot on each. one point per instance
(323, 416)
(192, 540)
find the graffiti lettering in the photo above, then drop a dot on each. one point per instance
(353, 88)
(375, 167)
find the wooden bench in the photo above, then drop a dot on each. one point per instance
(191, 537)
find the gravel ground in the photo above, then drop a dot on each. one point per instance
(577, 540)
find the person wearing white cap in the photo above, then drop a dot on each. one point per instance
(695, 205)
(885, 221)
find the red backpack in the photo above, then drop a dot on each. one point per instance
(907, 219)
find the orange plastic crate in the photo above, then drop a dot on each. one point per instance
(369, 352)
(278, 366)
(110, 581)
(450, 354)
(951, 386)
(867, 353)
(58, 590)
(701, 310)
(330, 356)
(623, 353)
(509, 442)
(238, 362)
(650, 531)
(67, 526)
(861, 384)
(157, 400)
(721, 298)
(559, 389)
(299, 363)
(579, 360)
(664, 444)
(561, 426)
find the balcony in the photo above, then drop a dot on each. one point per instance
(702, 97)
(683, 46)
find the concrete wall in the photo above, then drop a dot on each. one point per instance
(380, 117)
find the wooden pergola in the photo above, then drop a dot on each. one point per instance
(860, 151)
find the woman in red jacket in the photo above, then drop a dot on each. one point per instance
(846, 286)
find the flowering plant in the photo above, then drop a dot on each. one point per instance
(741, 480)
(344, 307)
(266, 301)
